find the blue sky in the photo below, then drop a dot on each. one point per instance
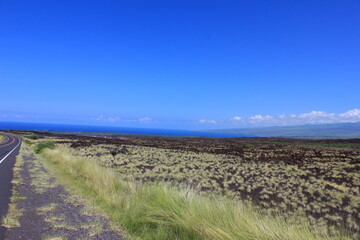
(180, 64)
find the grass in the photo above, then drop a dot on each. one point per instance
(96, 227)
(47, 208)
(28, 142)
(54, 238)
(2, 138)
(160, 211)
(41, 146)
(314, 182)
(33, 137)
(11, 219)
(330, 145)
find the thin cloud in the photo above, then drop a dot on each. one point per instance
(313, 117)
(145, 119)
(237, 118)
(204, 121)
(118, 119)
(113, 119)
(99, 118)
(21, 116)
(106, 119)
(261, 117)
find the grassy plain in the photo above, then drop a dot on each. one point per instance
(236, 186)
(325, 187)
(160, 211)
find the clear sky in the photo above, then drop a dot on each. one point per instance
(180, 64)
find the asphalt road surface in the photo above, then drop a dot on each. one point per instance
(8, 152)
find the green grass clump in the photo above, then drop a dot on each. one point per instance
(247, 145)
(160, 211)
(41, 146)
(33, 136)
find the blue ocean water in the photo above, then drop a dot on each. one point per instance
(108, 129)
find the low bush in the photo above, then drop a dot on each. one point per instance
(41, 146)
(33, 136)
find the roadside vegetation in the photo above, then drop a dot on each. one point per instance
(11, 219)
(48, 144)
(136, 186)
(324, 187)
(2, 138)
(40, 207)
(33, 136)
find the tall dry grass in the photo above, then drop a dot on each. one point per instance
(2, 138)
(159, 211)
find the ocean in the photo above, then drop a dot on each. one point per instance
(108, 129)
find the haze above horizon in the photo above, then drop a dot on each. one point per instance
(180, 64)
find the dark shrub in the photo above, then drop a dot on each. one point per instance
(42, 146)
(33, 136)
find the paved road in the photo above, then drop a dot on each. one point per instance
(8, 152)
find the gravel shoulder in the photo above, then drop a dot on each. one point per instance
(41, 208)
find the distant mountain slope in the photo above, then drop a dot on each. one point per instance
(338, 130)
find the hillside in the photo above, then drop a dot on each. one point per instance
(338, 130)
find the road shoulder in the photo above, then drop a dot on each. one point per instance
(41, 208)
